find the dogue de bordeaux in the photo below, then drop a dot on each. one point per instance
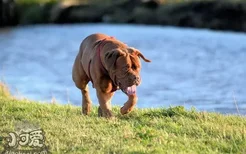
(110, 65)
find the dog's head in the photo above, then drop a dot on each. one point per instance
(124, 68)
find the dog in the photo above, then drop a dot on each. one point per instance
(110, 65)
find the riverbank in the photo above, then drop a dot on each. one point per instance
(212, 14)
(171, 130)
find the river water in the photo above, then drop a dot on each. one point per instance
(194, 68)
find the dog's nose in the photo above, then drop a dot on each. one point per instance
(137, 78)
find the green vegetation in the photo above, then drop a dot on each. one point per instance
(211, 14)
(4, 91)
(110, 1)
(35, 1)
(172, 130)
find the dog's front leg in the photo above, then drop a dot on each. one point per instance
(105, 104)
(129, 105)
(104, 88)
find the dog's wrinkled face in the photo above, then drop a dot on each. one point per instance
(128, 73)
(125, 69)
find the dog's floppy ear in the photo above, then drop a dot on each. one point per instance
(139, 54)
(111, 57)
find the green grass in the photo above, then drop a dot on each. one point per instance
(171, 130)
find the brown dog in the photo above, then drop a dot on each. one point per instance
(109, 64)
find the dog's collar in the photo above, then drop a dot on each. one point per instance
(99, 48)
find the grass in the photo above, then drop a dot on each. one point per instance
(171, 130)
(4, 91)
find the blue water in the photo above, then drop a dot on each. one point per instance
(200, 68)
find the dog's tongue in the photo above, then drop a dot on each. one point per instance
(131, 90)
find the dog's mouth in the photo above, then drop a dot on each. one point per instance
(131, 90)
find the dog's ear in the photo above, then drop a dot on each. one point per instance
(139, 54)
(111, 57)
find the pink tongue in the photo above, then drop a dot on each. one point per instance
(131, 90)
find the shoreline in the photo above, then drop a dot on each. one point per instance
(215, 15)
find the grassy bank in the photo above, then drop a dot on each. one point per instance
(172, 130)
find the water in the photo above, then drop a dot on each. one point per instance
(190, 67)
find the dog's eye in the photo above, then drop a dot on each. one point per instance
(134, 67)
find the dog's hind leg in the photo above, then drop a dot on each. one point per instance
(81, 81)
(86, 101)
